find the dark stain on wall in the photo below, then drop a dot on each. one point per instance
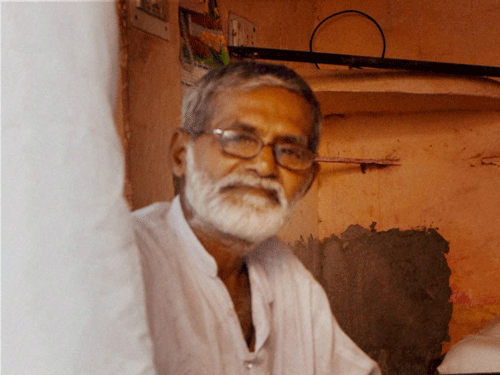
(388, 290)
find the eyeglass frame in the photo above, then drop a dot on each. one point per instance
(262, 144)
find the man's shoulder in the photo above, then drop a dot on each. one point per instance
(154, 236)
(151, 223)
(151, 214)
(476, 353)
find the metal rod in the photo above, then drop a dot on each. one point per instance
(363, 61)
(325, 159)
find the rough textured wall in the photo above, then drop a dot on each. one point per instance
(388, 290)
(304, 221)
(152, 110)
(280, 24)
(449, 188)
(443, 182)
(463, 31)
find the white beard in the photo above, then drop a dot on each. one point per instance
(254, 218)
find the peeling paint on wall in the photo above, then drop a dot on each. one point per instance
(389, 291)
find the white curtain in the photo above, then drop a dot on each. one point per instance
(72, 294)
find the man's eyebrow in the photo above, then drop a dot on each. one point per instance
(299, 140)
(242, 126)
(302, 140)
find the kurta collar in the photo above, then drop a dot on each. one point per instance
(200, 257)
(262, 295)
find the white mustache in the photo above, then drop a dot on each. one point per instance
(255, 182)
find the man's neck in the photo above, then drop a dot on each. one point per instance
(228, 251)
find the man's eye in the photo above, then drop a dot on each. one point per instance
(293, 151)
(239, 144)
(241, 139)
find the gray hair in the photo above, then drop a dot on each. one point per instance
(198, 106)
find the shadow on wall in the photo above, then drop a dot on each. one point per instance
(388, 290)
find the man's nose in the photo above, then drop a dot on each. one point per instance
(264, 163)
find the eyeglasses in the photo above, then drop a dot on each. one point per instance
(246, 145)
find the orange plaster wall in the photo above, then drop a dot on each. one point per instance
(304, 222)
(461, 31)
(436, 186)
(153, 111)
(280, 24)
(441, 184)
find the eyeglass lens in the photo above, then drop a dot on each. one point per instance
(247, 146)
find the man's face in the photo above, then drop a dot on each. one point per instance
(249, 198)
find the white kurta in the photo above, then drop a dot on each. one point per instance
(193, 322)
(477, 353)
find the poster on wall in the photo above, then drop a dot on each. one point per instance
(203, 46)
(200, 6)
(155, 8)
(151, 16)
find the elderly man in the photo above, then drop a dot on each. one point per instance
(224, 295)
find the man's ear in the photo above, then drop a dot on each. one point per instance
(178, 145)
